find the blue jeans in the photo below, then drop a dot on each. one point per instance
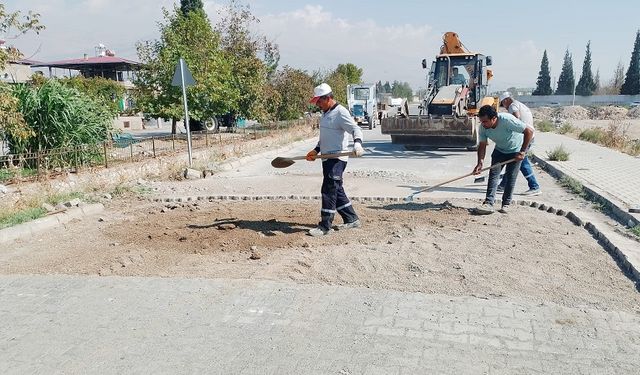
(510, 176)
(527, 172)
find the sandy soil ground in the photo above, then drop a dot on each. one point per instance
(432, 248)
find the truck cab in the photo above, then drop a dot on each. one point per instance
(362, 104)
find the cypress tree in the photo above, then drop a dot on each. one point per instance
(187, 6)
(566, 81)
(543, 85)
(631, 85)
(586, 85)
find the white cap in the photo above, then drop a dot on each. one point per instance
(320, 90)
(503, 96)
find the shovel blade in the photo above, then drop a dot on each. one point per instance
(281, 162)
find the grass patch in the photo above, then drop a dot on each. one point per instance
(572, 185)
(9, 219)
(595, 135)
(566, 128)
(63, 197)
(545, 126)
(558, 154)
(8, 174)
(635, 231)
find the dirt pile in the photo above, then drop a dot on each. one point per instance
(572, 112)
(542, 113)
(421, 247)
(607, 113)
(634, 112)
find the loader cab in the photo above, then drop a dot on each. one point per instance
(466, 70)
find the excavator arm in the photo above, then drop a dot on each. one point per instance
(452, 44)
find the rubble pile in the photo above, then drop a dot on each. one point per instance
(572, 112)
(608, 113)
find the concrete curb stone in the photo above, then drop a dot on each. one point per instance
(48, 222)
(617, 209)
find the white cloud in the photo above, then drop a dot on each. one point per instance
(312, 37)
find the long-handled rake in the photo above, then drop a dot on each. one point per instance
(282, 162)
(409, 198)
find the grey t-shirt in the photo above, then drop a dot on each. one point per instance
(335, 127)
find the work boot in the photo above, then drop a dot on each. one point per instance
(353, 224)
(318, 232)
(485, 209)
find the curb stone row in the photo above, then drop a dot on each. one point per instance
(617, 209)
(614, 251)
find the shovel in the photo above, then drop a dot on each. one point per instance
(410, 197)
(281, 162)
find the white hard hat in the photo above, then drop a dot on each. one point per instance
(320, 90)
(503, 96)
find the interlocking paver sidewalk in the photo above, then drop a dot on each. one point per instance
(85, 325)
(613, 173)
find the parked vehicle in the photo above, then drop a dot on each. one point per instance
(363, 104)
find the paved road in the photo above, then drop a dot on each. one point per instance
(109, 325)
(386, 170)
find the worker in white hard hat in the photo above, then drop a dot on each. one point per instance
(336, 125)
(522, 112)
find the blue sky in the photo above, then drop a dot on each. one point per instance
(387, 39)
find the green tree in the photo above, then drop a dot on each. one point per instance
(401, 90)
(241, 47)
(387, 87)
(12, 124)
(187, 6)
(191, 37)
(566, 81)
(12, 25)
(294, 88)
(106, 91)
(543, 84)
(596, 80)
(631, 85)
(586, 85)
(352, 73)
(379, 87)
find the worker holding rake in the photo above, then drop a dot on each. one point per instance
(336, 124)
(512, 138)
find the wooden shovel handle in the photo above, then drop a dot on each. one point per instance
(325, 156)
(466, 175)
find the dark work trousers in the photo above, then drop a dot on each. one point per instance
(510, 176)
(334, 198)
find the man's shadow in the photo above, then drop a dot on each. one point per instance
(267, 227)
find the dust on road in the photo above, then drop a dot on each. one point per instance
(432, 248)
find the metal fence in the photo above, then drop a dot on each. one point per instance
(49, 163)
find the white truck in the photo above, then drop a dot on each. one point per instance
(363, 104)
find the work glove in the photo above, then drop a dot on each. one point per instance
(357, 149)
(311, 155)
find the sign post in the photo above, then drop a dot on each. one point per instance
(182, 77)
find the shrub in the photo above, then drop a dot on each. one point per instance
(566, 128)
(572, 185)
(545, 126)
(594, 135)
(558, 154)
(616, 135)
(636, 230)
(633, 147)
